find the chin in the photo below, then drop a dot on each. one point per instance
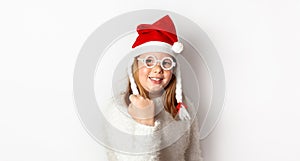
(156, 90)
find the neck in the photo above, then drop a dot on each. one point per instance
(153, 95)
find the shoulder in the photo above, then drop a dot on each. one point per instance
(115, 112)
(116, 115)
(193, 111)
(191, 107)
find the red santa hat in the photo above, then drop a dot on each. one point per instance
(159, 37)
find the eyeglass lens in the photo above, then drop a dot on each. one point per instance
(166, 62)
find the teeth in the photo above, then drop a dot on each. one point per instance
(156, 79)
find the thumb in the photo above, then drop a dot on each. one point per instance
(133, 98)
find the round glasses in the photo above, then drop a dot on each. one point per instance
(150, 61)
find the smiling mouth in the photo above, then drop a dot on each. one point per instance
(156, 80)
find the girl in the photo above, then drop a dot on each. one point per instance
(162, 124)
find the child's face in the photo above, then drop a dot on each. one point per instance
(156, 78)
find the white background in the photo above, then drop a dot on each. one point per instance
(257, 41)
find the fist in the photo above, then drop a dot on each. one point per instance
(141, 109)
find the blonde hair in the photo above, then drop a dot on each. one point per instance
(168, 96)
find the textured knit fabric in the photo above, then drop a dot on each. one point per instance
(185, 147)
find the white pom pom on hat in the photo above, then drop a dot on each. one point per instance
(177, 47)
(161, 34)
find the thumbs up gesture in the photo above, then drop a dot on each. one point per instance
(141, 109)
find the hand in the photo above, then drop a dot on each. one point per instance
(141, 110)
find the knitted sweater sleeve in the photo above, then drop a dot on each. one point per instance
(193, 152)
(140, 135)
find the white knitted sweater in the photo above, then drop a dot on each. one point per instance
(170, 140)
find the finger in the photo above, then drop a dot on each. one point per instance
(138, 113)
(129, 109)
(133, 98)
(136, 98)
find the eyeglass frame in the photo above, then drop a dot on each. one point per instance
(156, 61)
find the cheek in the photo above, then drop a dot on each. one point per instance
(143, 74)
(168, 76)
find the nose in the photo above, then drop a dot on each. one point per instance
(157, 69)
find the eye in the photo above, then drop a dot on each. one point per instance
(167, 63)
(150, 61)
